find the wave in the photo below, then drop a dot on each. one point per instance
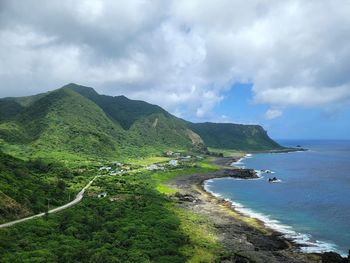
(275, 181)
(239, 163)
(305, 241)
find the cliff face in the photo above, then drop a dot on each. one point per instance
(235, 136)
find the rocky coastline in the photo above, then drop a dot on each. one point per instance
(246, 239)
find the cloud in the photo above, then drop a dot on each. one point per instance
(273, 113)
(180, 54)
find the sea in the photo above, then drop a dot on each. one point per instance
(310, 202)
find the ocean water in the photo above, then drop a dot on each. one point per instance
(310, 204)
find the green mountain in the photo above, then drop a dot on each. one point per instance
(76, 120)
(120, 108)
(146, 124)
(235, 136)
(64, 121)
(216, 135)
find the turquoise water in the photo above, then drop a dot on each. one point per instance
(311, 204)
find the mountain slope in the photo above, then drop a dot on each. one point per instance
(120, 108)
(146, 124)
(77, 120)
(9, 109)
(217, 135)
(26, 186)
(64, 121)
(235, 136)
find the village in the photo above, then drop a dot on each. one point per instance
(171, 160)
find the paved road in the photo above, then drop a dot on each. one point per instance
(76, 200)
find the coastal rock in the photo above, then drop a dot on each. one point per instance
(185, 197)
(242, 240)
(332, 257)
(241, 173)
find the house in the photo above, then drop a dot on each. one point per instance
(105, 168)
(102, 195)
(173, 162)
(169, 153)
(152, 167)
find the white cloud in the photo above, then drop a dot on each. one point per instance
(273, 113)
(180, 54)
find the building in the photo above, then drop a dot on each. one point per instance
(152, 167)
(169, 153)
(105, 168)
(173, 162)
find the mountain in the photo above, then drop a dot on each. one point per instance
(146, 124)
(64, 121)
(120, 108)
(216, 135)
(76, 120)
(234, 136)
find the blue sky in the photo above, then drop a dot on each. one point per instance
(295, 122)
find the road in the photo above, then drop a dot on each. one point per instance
(76, 200)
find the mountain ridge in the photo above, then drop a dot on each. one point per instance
(78, 120)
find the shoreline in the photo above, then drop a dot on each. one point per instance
(301, 240)
(286, 150)
(257, 241)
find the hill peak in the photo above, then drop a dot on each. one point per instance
(80, 89)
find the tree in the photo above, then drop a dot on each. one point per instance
(61, 185)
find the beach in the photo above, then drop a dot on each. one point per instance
(248, 239)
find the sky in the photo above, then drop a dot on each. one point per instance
(282, 64)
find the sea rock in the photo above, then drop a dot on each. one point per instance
(241, 173)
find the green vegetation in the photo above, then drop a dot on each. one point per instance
(52, 144)
(162, 177)
(121, 109)
(234, 136)
(227, 152)
(203, 245)
(75, 121)
(9, 109)
(29, 187)
(134, 223)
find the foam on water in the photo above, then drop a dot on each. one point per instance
(306, 242)
(239, 163)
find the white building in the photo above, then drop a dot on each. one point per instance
(173, 162)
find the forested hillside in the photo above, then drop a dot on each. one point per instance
(235, 136)
(77, 121)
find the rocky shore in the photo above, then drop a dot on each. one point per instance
(246, 239)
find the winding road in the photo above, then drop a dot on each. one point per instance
(76, 200)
